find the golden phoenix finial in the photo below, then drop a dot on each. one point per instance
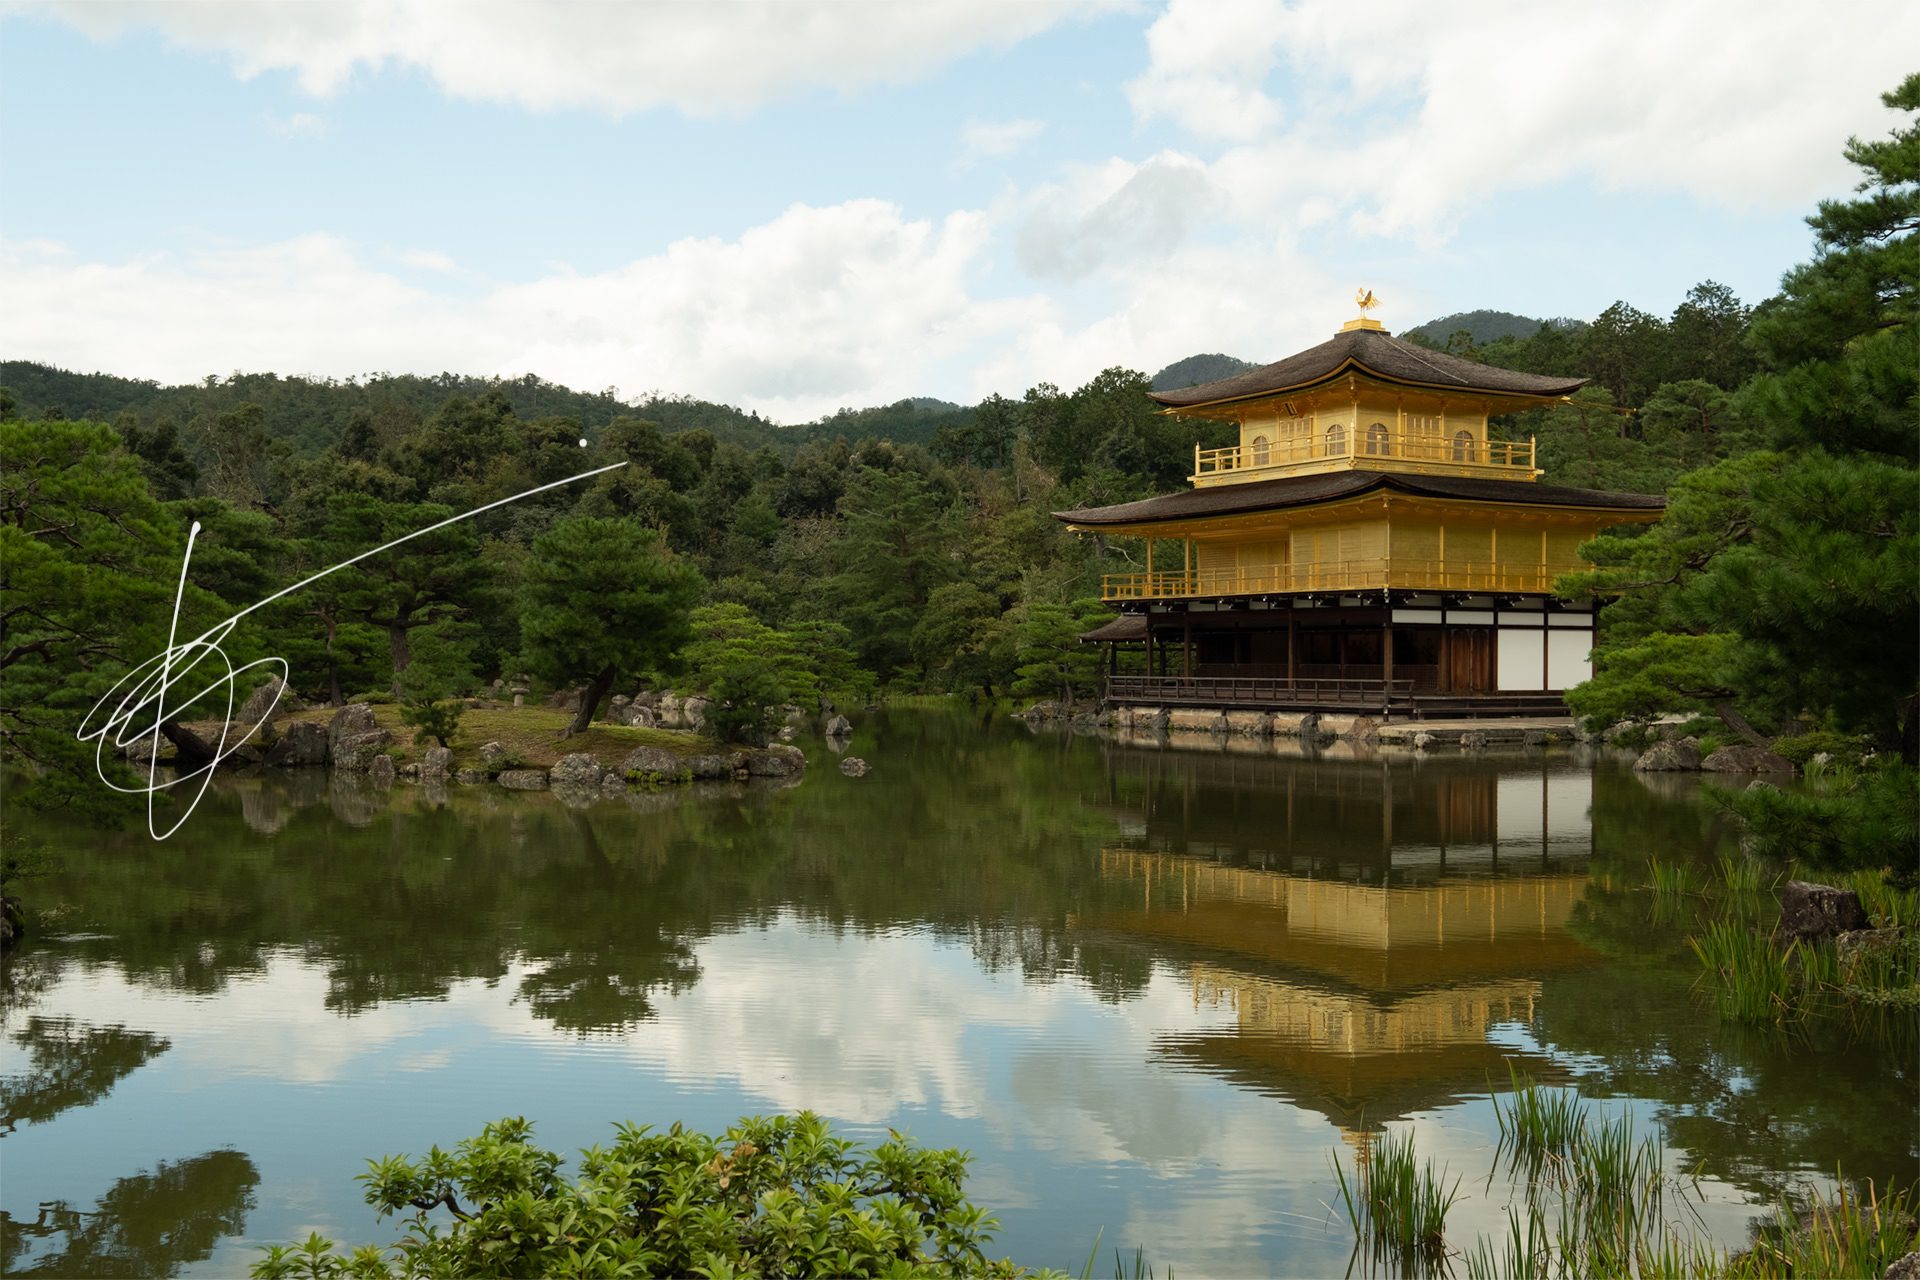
(1365, 298)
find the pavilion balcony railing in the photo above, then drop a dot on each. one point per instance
(1382, 574)
(1359, 693)
(1384, 449)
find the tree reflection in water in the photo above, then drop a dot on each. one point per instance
(147, 1224)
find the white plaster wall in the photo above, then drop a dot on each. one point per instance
(1568, 660)
(1518, 661)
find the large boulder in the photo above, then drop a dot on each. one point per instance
(855, 767)
(693, 712)
(436, 764)
(1812, 911)
(1289, 724)
(839, 727)
(355, 753)
(576, 770)
(777, 761)
(304, 743)
(470, 777)
(655, 761)
(494, 756)
(1856, 945)
(1746, 759)
(350, 721)
(1357, 727)
(268, 703)
(709, 768)
(523, 779)
(564, 699)
(669, 714)
(1673, 755)
(381, 770)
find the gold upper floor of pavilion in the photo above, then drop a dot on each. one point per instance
(1363, 464)
(1365, 400)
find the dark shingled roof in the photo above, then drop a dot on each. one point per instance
(1302, 491)
(1373, 351)
(1128, 626)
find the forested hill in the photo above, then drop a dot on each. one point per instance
(1483, 327)
(311, 415)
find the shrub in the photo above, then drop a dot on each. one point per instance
(772, 1196)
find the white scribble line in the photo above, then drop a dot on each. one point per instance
(153, 679)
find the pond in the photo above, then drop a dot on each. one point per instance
(1155, 991)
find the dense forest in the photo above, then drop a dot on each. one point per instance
(911, 547)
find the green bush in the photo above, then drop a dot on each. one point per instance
(772, 1196)
(438, 721)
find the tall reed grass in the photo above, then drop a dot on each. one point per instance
(1397, 1205)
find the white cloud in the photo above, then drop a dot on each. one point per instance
(1115, 213)
(820, 308)
(605, 55)
(1405, 123)
(988, 139)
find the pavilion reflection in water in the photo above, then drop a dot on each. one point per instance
(1370, 925)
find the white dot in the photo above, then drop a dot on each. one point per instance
(583, 442)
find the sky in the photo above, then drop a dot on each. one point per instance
(796, 206)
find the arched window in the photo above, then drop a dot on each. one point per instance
(1336, 440)
(1463, 446)
(1377, 441)
(1260, 451)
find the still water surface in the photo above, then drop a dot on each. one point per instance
(1154, 991)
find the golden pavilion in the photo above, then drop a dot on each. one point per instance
(1366, 543)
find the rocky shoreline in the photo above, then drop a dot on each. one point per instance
(1668, 754)
(353, 740)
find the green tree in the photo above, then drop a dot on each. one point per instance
(422, 581)
(749, 670)
(1787, 585)
(88, 563)
(1049, 653)
(603, 599)
(771, 1196)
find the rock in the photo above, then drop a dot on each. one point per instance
(355, 753)
(1674, 755)
(1855, 945)
(712, 767)
(1473, 740)
(639, 717)
(794, 717)
(519, 699)
(647, 698)
(411, 770)
(839, 727)
(1746, 759)
(304, 743)
(268, 702)
(778, 761)
(667, 713)
(1904, 1268)
(350, 721)
(787, 733)
(1813, 911)
(436, 764)
(1250, 724)
(657, 761)
(855, 767)
(381, 770)
(564, 699)
(523, 779)
(470, 777)
(493, 756)
(1422, 740)
(1287, 724)
(1358, 728)
(693, 712)
(611, 781)
(1047, 710)
(578, 769)
(1537, 738)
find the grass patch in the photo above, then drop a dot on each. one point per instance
(1397, 1205)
